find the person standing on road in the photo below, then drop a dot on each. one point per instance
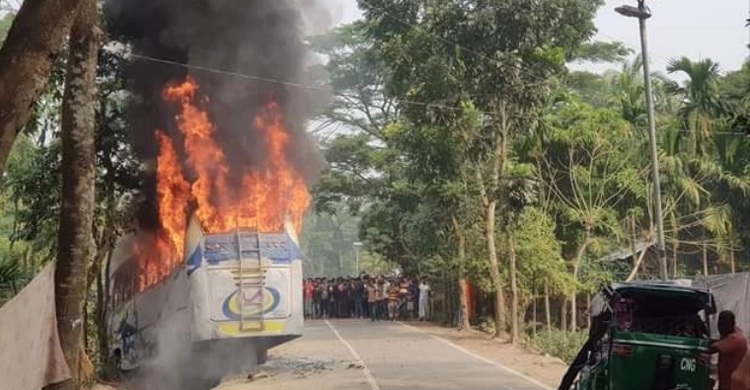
(372, 299)
(309, 290)
(424, 296)
(332, 293)
(317, 307)
(323, 290)
(393, 302)
(732, 348)
(359, 298)
(385, 289)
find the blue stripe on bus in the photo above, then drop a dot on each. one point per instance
(278, 248)
(195, 259)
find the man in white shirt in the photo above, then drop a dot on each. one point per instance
(424, 296)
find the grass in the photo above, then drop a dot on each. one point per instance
(564, 345)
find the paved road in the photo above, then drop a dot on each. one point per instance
(391, 355)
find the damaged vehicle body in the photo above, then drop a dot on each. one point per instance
(646, 336)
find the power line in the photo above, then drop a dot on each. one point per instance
(292, 84)
(230, 73)
(278, 81)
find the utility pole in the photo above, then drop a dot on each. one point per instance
(643, 13)
(356, 246)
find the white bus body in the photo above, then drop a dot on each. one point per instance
(221, 309)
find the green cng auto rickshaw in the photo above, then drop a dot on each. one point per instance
(646, 336)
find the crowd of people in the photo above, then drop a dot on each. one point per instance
(375, 297)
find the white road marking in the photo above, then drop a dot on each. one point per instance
(479, 357)
(366, 371)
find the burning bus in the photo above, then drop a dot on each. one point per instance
(235, 295)
(219, 281)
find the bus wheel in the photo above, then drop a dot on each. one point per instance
(262, 356)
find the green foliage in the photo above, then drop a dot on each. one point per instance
(539, 254)
(602, 52)
(14, 275)
(32, 179)
(564, 345)
(5, 22)
(594, 168)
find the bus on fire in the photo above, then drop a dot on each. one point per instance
(234, 296)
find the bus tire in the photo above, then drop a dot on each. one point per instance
(261, 356)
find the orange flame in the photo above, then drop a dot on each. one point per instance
(156, 258)
(264, 199)
(173, 190)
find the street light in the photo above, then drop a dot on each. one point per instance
(356, 246)
(642, 13)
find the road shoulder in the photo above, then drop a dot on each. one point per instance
(545, 369)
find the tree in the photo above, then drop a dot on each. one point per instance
(77, 210)
(497, 55)
(28, 53)
(601, 52)
(700, 104)
(593, 168)
(356, 73)
(540, 263)
(350, 128)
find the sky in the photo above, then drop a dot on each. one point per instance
(696, 29)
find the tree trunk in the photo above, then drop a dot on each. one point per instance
(490, 195)
(675, 245)
(573, 312)
(637, 265)
(514, 335)
(463, 299)
(633, 249)
(705, 258)
(732, 264)
(564, 315)
(102, 309)
(489, 235)
(547, 312)
(588, 306)
(533, 314)
(576, 269)
(27, 55)
(675, 264)
(75, 238)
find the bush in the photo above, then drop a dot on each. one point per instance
(564, 345)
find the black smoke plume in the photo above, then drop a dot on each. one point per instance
(215, 39)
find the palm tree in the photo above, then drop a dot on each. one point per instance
(730, 186)
(700, 100)
(684, 191)
(628, 93)
(13, 276)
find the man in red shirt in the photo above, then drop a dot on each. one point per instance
(732, 348)
(741, 376)
(309, 290)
